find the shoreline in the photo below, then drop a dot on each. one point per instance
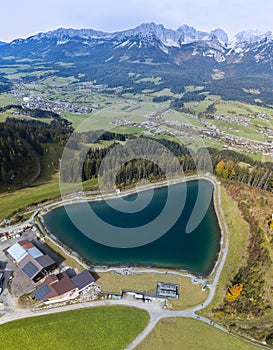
(98, 197)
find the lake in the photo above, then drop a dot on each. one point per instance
(196, 251)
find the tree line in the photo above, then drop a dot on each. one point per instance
(34, 113)
(223, 163)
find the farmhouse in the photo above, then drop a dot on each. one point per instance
(56, 287)
(61, 287)
(30, 260)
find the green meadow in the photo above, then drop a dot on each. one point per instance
(104, 328)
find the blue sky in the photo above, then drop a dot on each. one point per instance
(24, 18)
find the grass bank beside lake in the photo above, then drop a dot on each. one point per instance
(238, 231)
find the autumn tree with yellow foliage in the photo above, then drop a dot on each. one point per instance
(225, 170)
(234, 292)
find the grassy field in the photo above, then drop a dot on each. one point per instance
(179, 333)
(11, 202)
(44, 188)
(109, 328)
(6, 99)
(156, 80)
(128, 130)
(190, 294)
(165, 92)
(181, 117)
(199, 106)
(103, 118)
(191, 88)
(49, 162)
(14, 201)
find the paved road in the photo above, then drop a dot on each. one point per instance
(154, 309)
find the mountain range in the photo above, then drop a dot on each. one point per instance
(180, 57)
(150, 34)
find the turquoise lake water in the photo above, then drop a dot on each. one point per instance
(196, 251)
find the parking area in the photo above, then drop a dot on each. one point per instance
(20, 284)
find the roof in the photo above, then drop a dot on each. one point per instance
(167, 293)
(167, 290)
(25, 243)
(42, 292)
(45, 261)
(51, 279)
(57, 285)
(30, 269)
(30, 266)
(83, 279)
(54, 286)
(35, 252)
(169, 286)
(64, 284)
(17, 252)
(29, 258)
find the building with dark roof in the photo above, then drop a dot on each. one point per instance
(61, 287)
(55, 287)
(64, 284)
(30, 267)
(30, 260)
(46, 262)
(83, 280)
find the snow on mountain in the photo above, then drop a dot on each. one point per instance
(169, 37)
(252, 36)
(253, 44)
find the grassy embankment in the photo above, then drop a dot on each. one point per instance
(238, 231)
(109, 328)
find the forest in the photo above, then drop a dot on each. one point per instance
(21, 142)
(5, 84)
(194, 96)
(34, 113)
(225, 163)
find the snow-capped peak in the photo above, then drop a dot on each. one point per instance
(251, 36)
